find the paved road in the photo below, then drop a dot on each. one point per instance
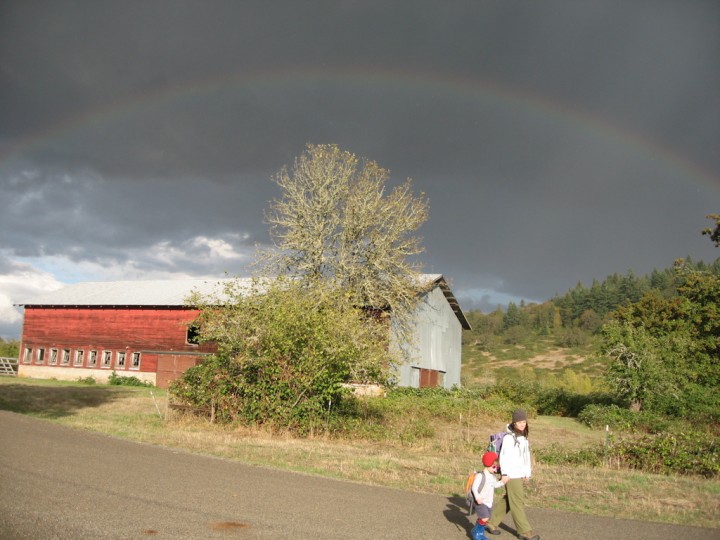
(60, 483)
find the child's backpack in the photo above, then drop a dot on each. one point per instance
(469, 497)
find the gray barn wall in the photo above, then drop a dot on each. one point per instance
(437, 342)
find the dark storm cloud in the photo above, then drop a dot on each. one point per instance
(85, 217)
(557, 141)
(78, 58)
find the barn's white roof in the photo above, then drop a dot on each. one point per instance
(173, 292)
(159, 292)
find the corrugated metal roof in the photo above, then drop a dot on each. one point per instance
(172, 292)
(165, 292)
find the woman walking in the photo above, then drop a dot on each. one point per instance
(515, 464)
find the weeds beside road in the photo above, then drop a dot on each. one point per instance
(431, 465)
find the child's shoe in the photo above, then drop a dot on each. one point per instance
(478, 532)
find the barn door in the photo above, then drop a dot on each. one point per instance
(171, 366)
(428, 378)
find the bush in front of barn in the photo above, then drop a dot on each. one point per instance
(284, 357)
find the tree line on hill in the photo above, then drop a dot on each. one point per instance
(571, 319)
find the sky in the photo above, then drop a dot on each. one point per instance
(557, 142)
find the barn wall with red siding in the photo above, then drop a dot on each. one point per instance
(151, 331)
(111, 327)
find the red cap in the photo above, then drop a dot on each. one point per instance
(489, 458)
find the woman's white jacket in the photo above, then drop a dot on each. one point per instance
(515, 456)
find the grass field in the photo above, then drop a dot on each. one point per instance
(432, 465)
(539, 358)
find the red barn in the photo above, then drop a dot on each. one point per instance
(142, 329)
(135, 328)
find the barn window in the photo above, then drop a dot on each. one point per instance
(53, 357)
(135, 364)
(79, 357)
(28, 355)
(120, 359)
(40, 356)
(107, 355)
(65, 357)
(193, 334)
(92, 359)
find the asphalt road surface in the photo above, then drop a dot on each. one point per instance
(61, 483)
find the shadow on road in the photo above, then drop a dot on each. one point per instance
(54, 401)
(457, 512)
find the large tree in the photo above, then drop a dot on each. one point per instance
(338, 224)
(665, 352)
(342, 257)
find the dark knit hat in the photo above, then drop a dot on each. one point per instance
(489, 458)
(519, 416)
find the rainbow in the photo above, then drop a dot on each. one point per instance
(452, 86)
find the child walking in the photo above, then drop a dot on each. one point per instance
(483, 491)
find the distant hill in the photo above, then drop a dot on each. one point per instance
(561, 334)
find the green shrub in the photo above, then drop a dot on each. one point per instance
(624, 419)
(119, 380)
(558, 455)
(516, 388)
(555, 401)
(669, 453)
(9, 349)
(283, 357)
(695, 453)
(515, 335)
(599, 416)
(544, 398)
(572, 337)
(444, 404)
(86, 380)
(701, 403)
